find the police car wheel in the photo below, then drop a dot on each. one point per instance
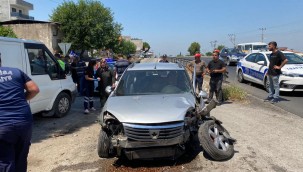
(266, 84)
(240, 76)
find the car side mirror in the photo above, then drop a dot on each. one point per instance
(108, 90)
(203, 94)
(261, 63)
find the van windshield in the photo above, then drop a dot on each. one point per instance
(260, 47)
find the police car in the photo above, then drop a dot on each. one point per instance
(254, 67)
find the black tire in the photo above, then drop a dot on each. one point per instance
(266, 84)
(104, 144)
(228, 62)
(61, 105)
(215, 144)
(240, 76)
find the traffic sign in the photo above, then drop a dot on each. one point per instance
(64, 47)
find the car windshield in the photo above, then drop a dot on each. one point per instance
(292, 58)
(150, 82)
(235, 50)
(260, 47)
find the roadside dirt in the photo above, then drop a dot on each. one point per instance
(268, 140)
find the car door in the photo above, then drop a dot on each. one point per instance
(248, 66)
(45, 72)
(260, 69)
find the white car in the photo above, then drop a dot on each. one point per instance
(254, 67)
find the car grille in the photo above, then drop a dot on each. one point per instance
(150, 132)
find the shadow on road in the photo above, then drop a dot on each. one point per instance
(48, 127)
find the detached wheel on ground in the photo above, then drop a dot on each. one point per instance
(240, 76)
(61, 105)
(214, 142)
(104, 144)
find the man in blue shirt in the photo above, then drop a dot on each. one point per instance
(15, 118)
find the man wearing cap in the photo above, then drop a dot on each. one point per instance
(164, 59)
(200, 70)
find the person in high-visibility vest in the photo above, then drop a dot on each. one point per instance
(60, 61)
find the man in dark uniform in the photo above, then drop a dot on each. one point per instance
(121, 65)
(276, 61)
(15, 118)
(216, 68)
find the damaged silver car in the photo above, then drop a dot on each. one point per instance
(154, 112)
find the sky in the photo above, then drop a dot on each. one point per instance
(170, 26)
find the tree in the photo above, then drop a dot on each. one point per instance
(194, 48)
(87, 24)
(146, 46)
(125, 48)
(7, 32)
(220, 47)
(209, 54)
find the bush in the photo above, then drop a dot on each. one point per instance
(233, 92)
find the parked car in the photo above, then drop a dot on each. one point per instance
(57, 90)
(231, 55)
(254, 67)
(154, 113)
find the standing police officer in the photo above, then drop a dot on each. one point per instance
(15, 118)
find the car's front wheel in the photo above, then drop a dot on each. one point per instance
(61, 105)
(240, 76)
(214, 140)
(104, 144)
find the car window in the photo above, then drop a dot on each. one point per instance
(41, 63)
(292, 58)
(148, 82)
(251, 58)
(261, 57)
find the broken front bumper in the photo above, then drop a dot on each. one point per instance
(151, 141)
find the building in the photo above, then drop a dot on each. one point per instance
(136, 41)
(15, 9)
(43, 31)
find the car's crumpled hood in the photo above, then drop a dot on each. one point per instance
(150, 108)
(293, 69)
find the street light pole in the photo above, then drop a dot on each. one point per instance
(232, 38)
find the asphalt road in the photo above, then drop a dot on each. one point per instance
(290, 101)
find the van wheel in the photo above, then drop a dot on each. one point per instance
(62, 105)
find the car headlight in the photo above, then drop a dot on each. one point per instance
(290, 74)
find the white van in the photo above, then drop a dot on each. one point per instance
(57, 90)
(253, 47)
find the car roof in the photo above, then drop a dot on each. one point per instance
(18, 40)
(155, 66)
(269, 52)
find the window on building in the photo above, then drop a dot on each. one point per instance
(20, 11)
(14, 10)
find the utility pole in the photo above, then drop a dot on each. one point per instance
(232, 38)
(262, 35)
(213, 43)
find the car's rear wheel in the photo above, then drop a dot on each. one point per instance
(213, 138)
(240, 76)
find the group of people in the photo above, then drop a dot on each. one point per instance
(215, 68)
(101, 72)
